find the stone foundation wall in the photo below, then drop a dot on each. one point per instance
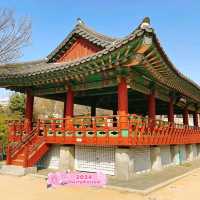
(58, 157)
(159, 157)
(128, 161)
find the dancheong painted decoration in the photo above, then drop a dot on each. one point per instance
(132, 76)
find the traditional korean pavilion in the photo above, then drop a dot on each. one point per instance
(133, 77)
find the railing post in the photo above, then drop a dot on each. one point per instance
(38, 126)
(8, 155)
(14, 131)
(45, 129)
(10, 131)
(69, 123)
(25, 164)
(27, 126)
(53, 127)
(21, 131)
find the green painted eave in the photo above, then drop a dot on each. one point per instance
(104, 60)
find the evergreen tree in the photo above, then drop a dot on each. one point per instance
(17, 103)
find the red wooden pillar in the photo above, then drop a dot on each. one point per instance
(26, 154)
(69, 103)
(123, 102)
(195, 119)
(122, 96)
(69, 111)
(152, 106)
(185, 116)
(65, 103)
(170, 110)
(28, 111)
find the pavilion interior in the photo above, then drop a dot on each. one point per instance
(106, 98)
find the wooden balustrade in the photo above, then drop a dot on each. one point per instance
(110, 130)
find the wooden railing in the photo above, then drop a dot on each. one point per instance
(16, 146)
(111, 130)
(28, 145)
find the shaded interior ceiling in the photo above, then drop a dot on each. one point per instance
(106, 98)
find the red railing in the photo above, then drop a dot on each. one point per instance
(16, 130)
(112, 130)
(27, 145)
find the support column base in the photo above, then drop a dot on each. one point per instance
(182, 153)
(155, 158)
(123, 164)
(175, 153)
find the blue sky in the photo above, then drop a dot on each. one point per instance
(175, 22)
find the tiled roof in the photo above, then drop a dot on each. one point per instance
(165, 72)
(40, 67)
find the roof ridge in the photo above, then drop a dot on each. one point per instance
(103, 36)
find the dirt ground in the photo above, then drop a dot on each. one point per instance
(33, 188)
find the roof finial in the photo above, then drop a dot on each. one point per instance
(145, 23)
(79, 21)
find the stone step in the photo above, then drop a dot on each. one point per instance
(17, 170)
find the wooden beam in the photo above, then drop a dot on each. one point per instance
(135, 60)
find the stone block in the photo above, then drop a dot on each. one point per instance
(17, 170)
(67, 157)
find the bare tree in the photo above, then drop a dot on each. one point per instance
(14, 35)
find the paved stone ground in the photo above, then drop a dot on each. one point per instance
(145, 181)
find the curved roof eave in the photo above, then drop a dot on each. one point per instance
(41, 68)
(178, 81)
(171, 65)
(37, 69)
